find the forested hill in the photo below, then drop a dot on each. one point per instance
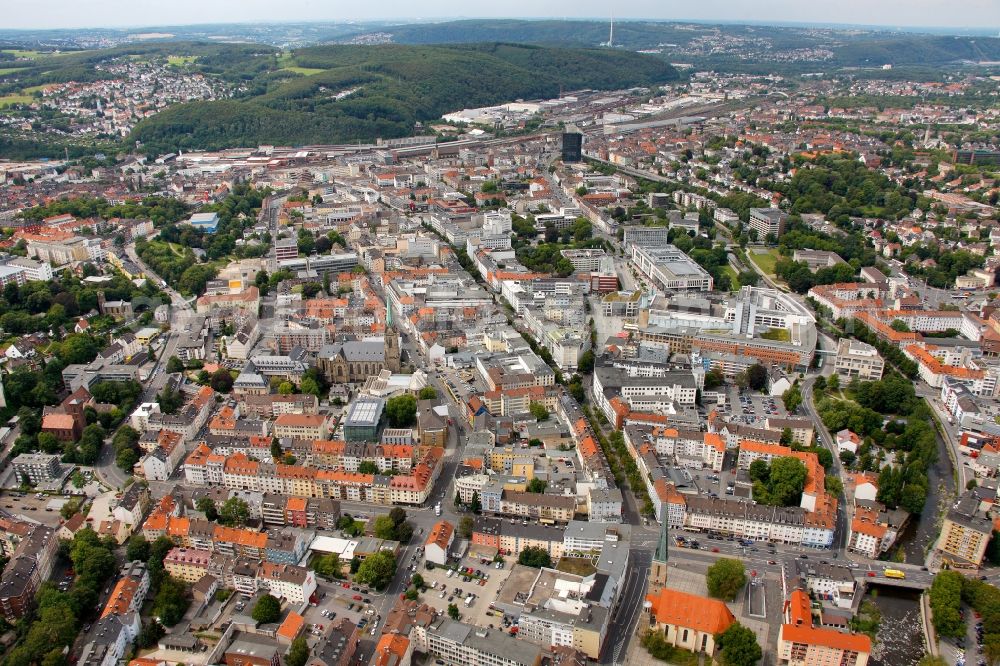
(749, 43)
(385, 89)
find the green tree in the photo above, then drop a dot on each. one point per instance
(401, 410)
(537, 485)
(991, 647)
(377, 570)
(534, 557)
(267, 610)
(221, 380)
(48, 442)
(174, 364)
(946, 603)
(170, 400)
(137, 549)
(756, 377)
(157, 551)
(368, 467)
(126, 459)
(428, 393)
(171, 601)
(475, 506)
(453, 611)
(150, 634)
(538, 411)
(725, 578)
(328, 565)
(783, 483)
(70, 509)
(465, 526)
(384, 528)
(207, 506)
(714, 379)
(311, 386)
(739, 646)
(126, 436)
(298, 652)
(234, 511)
(286, 388)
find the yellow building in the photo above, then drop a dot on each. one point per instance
(965, 533)
(187, 564)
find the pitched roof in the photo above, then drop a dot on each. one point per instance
(441, 535)
(690, 611)
(121, 597)
(57, 421)
(292, 626)
(826, 638)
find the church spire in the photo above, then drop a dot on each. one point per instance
(658, 569)
(661, 553)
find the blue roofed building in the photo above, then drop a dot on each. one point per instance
(207, 222)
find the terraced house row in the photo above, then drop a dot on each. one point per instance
(417, 468)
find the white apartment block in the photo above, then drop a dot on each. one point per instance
(856, 359)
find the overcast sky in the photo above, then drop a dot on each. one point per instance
(116, 13)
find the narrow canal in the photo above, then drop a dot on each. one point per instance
(921, 533)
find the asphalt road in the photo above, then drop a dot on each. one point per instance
(180, 312)
(841, 533)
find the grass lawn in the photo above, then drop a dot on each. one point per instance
(9, 70)
(180, 61)
(7, 100)
(734, 279)
(31, 89)
(304, 71)
(779, 334)
(580, 566)
(765, 261)
(20, 53)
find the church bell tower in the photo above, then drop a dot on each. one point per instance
(658, 569)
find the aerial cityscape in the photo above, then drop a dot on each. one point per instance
(499, 341)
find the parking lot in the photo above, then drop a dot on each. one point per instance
(753, 408)
(38, 507)
(456, 590)
(354, 602)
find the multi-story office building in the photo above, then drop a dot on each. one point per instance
(767, 222)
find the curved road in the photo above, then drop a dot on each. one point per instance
(107, 471)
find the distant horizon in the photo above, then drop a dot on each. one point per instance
(956, 30)
(115, 15)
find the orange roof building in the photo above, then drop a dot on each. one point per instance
(391, 650)
(687, 620)
(801, 642)
(439, 542)
(291, 627)
(122, 599)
